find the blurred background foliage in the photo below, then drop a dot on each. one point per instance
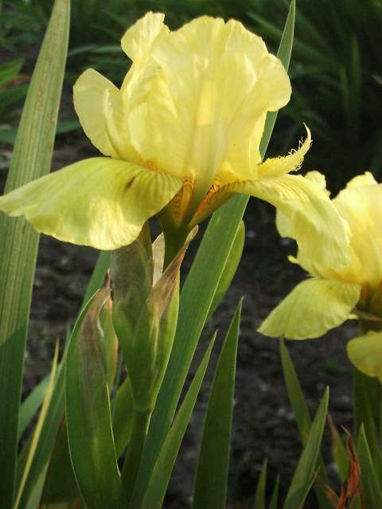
(336, 66)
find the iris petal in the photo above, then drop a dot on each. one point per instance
(206, 109)
(138, 40)
(365, 352)
(313, 220)
(276, 166)
(311, 309)
(98, 202)
(91, 101)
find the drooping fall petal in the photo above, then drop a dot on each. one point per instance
(365, 352)
(283, 221)
(98, 202)
(313, 220)
(311, 309)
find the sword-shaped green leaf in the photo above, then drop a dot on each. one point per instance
(370, 481)
(275, 494)
(212, 471)
(157, 486)
(30, 406)
(301, 413)
(31, 159)
(307, 466)
(260, 488)
(38, 429)
(230, 268)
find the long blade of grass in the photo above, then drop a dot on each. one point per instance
(284, 53)
(260, 488)
(31, 159)
(306, 469)
(59, 483)
(30, 406)
(212, 471)
(301, 413)
(195, 303)
(122, 411)
(230, 268)
(295, 394)
(157, 486)
(44, 446)
(367, 404)
(38, 428)
(338, 450)
(275, 495)
(98, 275)
(370, 481)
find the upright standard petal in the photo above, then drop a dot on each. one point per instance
(98, 202)
(360, 204)
(365, 352)
(206, 109)
(98, 104)
(311, 309)
(139, 39)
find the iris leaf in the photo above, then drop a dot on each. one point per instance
(212, 470)
(31, 159)
(161, 474)
(306, 469)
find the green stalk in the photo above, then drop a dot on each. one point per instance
(140, 426)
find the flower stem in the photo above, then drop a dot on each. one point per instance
(140, 426)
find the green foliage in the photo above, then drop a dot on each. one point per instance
(105, 427)
(367, 407)
(306, 470)
(31, 159)
(212, 470)
(12, 89)
(336, 85)
(90, 436)
(370, 481)
(157, 486)
(260, 489)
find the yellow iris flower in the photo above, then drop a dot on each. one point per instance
(332, 294)
(179, 138)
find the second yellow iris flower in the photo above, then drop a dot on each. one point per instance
(332, 295)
